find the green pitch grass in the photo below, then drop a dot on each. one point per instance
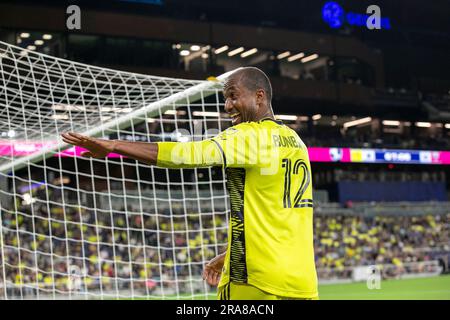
(435, 288)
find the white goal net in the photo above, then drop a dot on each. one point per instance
(78, 228)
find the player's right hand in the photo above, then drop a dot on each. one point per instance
(213, 270)
(97, 148)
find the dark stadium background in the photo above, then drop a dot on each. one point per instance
(399, 74)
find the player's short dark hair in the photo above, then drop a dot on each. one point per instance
(253, 79)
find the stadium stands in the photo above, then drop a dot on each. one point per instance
(176, 245)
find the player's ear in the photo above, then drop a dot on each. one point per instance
(260, 96)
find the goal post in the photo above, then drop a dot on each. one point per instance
(80, 228)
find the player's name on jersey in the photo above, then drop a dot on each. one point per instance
(285, 141)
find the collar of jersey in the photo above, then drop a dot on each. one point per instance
(270, 119)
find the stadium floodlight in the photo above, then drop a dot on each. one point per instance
(310, 58)
(235, 51)
(120, 228)
(393, 123)
(447, 125)
(221, 49)
(283, 55)
(286, 117)
(423, 124)
(175, 112)
(249, 52)
(206, 114)
(357, 122)
(24, 35)
(47, 36)
(316, 117)
(39, 42)
(296, 57)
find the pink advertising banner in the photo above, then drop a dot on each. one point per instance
(316, 154)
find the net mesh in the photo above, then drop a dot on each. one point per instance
(79, 228)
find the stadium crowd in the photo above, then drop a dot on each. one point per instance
(349, 241)
(52, 246)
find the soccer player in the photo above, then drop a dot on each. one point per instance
(270, 253)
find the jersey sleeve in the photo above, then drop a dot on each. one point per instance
(244, 146)
(195, 154)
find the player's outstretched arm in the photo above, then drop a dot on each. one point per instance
(99, 148)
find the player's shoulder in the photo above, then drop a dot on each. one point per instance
(255, 127)
(264, 124)
(277, 125)
(239, 129)
(246, 126)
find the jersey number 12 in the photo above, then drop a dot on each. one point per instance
(299, 166)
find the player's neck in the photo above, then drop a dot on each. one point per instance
(267, 115)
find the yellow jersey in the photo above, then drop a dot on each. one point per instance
(270, 237)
